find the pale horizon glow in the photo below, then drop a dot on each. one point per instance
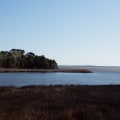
(73, 32)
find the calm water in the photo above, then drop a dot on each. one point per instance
(24, 79)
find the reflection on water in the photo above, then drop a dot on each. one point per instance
(24, 79)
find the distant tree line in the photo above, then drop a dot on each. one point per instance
(17, 58)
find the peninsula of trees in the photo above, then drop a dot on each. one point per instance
(17, 58)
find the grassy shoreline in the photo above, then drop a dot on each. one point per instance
(45, 70)
(60, 103)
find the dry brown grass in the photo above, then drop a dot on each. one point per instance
(45, 70)
(60, 103)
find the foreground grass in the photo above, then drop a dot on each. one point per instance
(60, 103)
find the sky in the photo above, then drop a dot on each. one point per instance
(73, 32)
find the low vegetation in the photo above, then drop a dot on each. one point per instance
(45, 70)
(17, 58)
(60, 103)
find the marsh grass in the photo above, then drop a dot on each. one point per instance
(60, 103)
(2, 70)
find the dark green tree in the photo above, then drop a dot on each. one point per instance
(16, 58)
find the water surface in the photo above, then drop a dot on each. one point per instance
(24, 79)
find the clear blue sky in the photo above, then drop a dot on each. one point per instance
(73, 32)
